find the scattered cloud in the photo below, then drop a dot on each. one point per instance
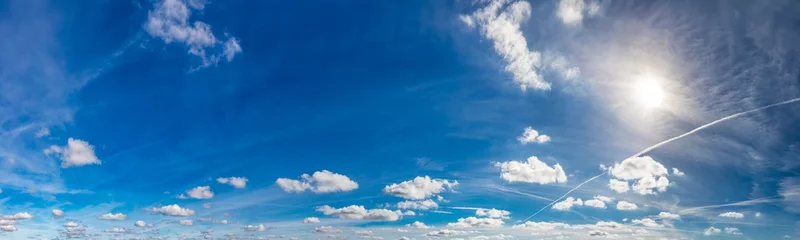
(668, 215)
(651, 176)
(140, 223)
(57, 213)
(647, 222)
(237, 182)
(594, 203)
(571, 12)
(418, 225)
(75, 154)
(173, 210)
(418, 205)
(327, 229)
(732, 231)
(626, 206)
(445, 233)
(255, 228)
(618, 186)
(567, 204)
(311, 220)
(677, 172)
(471, 222)
(44, 132)
(201, 192)
(186, 222)
(736, 215)
(360, 213)
(712, 231)
(532, 171)
(113, 216)
(419, 188)
(493, 213)
(320, 182)
(530, 135)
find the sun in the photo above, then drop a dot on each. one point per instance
(648, 92)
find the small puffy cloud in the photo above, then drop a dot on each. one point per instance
(567, 204)
(419, 188)
(732, 231)
(119, 230)
(57, 213)
(360, 213)
(651, 176)
(201, 192)
(255, 228)
(626, 206)
(618, 186)
(445, 233)
(668, 215)
(327, 229)
(8, 228)
(320, 182)
(70, 224)
(75, 154)
(712, 231)
(311, 220)
(647, 222)
(471, 222)
(736, 215)
(419, 205)
(571, 12)
(113, 216)
(531, 171)
(140, 223)
(594, 203)
(677, 172)
(417, 225)
(492, 213)
(758, 214)
(173, 210)
(612, 225)
(237, 182)
(186, 222)
(19, 216)
(530, 135)
(604, 198)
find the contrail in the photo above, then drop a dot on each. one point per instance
(650, 148)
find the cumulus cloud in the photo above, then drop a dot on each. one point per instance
(618, 186)
(119, 230)
(532, 171)
(360, 213)
(677, 172)
(500, 23)
(140, 223)
(71, 224)
(732, 231)
(596, 233)
(651, 176)
(647, 222)
(626, 206)
(492, 213)
(419, 188)
(668, 215)
(201, 192)
(57, 213)
(445, 233)
(419, 205)
(237, 182)
(736, 215)
(255, 228)
(571, 12)
(418, 225)
(173, 210)
(169, 21)
(604, 198)
(113, 216)
(594, 203)
(327, 229)
(567, 204)
(530, 135)
(712, 231)
(320, 182)
(75, 154)
(8, 228)
(470, 222)
(647, 185)
(311, 220)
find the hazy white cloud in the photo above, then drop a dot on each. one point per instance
(758, 214)
(71, 224)
(445, 233)
(119, 230)
(492, 213)
(532, 171)
(44, 132)
(173, 210)
(712, 231)
(419, 188)
(206, 205)
(571, 12)
(530, 135)
(201, 192)
(567, 204)
(736, 215)
(255, 228)
(647, 222)
(418, 225)
(113, 216)
(360, 213)
(470, 222)
(75, 154)
(320, 182)
(626, 206)
(57, 213)
(420, 205)
(327, 229)
(311, 220)
(677, 172)
(186, 222)
(668, 215)
(19, 216)
(8, 228)
(237, 182)
(790, 193)
(732, 231)
(500, 23)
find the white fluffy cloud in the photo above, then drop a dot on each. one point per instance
(8, 228)
(418, 225)
(326, 229)
(500, 23)
(255, 228)
(419, 205)
(311, 220)
(173, 210)
(201, 192)
(532, 171)
(237, 182)
(419, 188)
(71, 224)
(677, 172)
(572, 12)
(567, 204)
(57, 213)
(618, 186)
(320, 182)
(492, 213)
(113, 216)
(594, 203)
(647, 222)
(647, 185)
(445, 233)
(169, 21)
(140, 223)
(530, 135)
(626, 206)
(360, 213)
(732, 231)
(75, 154)
(604, 198)
(471, 222)
(19, 216)
(650, 176)
(668, 215)
(736, 215)
(712, 231)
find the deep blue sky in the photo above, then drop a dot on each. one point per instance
(435, 112)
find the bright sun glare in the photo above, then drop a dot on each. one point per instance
(648, 92)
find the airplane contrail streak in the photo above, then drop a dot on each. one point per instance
(650, 148)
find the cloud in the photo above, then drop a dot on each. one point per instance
(445, 233)
(732, 215)
(677, 172)
(44, 132)
(140, 223)
(327, 229)
(532, 136)
(500, 23)
(618, 186)
(419, 205)
(119, 230)
(712, 231)
(626, 206)
(649, 173)
(201, 192)
(646, 185)
(71, 224)
(311, 220)
(186, 222)
(594, 203)
(75, 154)
(19, 216)
(173, 210)
(255, 228)
(604, 198)
(732, 231)
(596, 233)
(419, 188)
(113, 216)
(492, 213)
(647, 222)
(360, 213)
(571, 12)
(57, 213)
(417, 225)
(237, 182)
(169, 21)
(567, 204)
(532, 171)
(471, 222)
(790, 193)
(320, 182)
(668, 215)
(8, 228)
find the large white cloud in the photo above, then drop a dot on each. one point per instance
(360, 213)
(419, 188)
(237, 182)
(419, 205)
(169, 21)
(736, 215)
(626, 206)
(650, 176)
(531, 171)
(173, 210)
(75, 154)
(320, 182)
(530, 135)
(113, 216)
(470, 222)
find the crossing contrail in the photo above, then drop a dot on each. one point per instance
(650, 148)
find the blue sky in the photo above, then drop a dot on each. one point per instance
(504, 119)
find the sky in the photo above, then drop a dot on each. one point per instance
(400, 120)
